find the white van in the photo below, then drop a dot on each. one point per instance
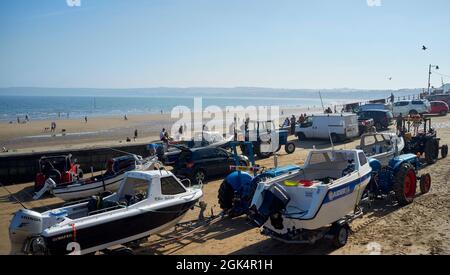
(338, 126)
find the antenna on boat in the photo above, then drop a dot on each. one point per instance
(14, 197)
(328, 126)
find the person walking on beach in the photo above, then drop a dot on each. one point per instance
(27, 118)
(85, 119)
(135, 134)
(125, 117)
(18, 120)
(163, 136)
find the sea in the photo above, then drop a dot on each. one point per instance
(50, 103)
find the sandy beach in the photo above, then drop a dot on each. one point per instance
(419, 228)
(35, 136)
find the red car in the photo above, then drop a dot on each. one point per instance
(439, 107)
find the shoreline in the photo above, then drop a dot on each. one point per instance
(35, 135)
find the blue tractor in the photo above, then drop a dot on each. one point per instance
(398, 179)
(237, 190)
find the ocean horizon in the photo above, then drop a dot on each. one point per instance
(52, 103)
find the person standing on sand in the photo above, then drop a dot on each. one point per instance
(85, 119)
(18, 120)
(135, 134)
(293, 120)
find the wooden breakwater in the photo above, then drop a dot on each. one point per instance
(20, 168)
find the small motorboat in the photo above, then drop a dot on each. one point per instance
(381, 146)
(147, 203)
(109, 181)
(316, 201)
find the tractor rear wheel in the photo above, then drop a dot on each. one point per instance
(425, 183)
(431, 151)
(444, 151)
(226, 194)
(405, 184)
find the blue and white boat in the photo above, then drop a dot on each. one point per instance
(321, 198)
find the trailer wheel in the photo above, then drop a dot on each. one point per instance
(405, 184)
(425, 183)
(123, 251)
(340, 235)
(444, 151)
(225, 196)
(431, 151)
(289, 148)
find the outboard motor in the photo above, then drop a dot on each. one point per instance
(25, 225)
(275, 200)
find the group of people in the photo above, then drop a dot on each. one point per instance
(293, 121)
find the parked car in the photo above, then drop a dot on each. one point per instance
(411, 107)
(338, 126)
(440, 97)
(439, 107)
(382, 118)
(198, 164)
(375, 106)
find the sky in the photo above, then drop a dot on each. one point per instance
(313, 44)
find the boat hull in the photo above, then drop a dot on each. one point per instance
(117, 231)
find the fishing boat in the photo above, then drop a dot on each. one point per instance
(316, 201)
(381, 146)
(147, 203)
(109, 181)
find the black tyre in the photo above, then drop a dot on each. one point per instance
(301, 137)
(431, 151)
(262, 155)
(444, 151)
(80, 174)
(290, 148)
(226, 194)
(124, 251)
(340, 235)
(405, 184)
(425, 183)
(199, 177)
(335, 138)
(413, 113)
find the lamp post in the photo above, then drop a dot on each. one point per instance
(429, 75)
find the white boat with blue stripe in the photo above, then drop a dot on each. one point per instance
(325, 193)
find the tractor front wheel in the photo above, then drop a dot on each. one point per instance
(425, 183)
(405, 184)
(431, 151)
(289, 148)
(225, 196)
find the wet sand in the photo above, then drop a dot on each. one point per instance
(34, 137)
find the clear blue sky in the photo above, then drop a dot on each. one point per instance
(223, 43)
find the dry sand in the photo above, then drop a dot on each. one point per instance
(420, 228)
(34, 137)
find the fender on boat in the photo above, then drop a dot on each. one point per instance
(237, 179)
